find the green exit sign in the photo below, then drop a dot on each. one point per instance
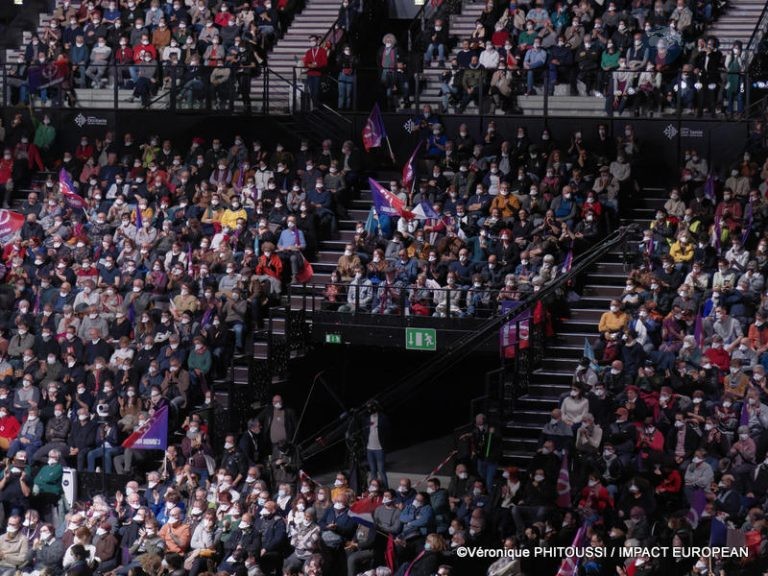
(333, 338)
(421, 339)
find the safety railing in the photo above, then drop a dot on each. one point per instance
(150, 86)
(406, 299)
(262, 90)
(490, 92)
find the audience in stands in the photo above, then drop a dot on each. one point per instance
(137, 303)
(639, 57)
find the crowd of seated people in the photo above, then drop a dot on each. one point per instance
(507, 209)
(207, 53)
(112, 313)
(641, 56)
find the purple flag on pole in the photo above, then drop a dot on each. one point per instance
(698, 502)
(748, 228)
(374, 133)
(153, 435)
(744, 417)
(67, 189)
(385, 201)
(568, 263)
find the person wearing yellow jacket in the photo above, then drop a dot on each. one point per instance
(681, 251)
(232, 214)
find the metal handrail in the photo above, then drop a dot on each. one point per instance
(419, 18)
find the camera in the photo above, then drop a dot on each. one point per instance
(102, 410)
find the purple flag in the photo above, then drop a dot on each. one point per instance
(374, 133)
(190, 268)
(744, 417)
(139, 219)
(748, 228)
(409, 170)
(385, 201)
(153, 435)
(67, 189)
(698, 502)
(718, 534)
(568, 259)
(570, 566)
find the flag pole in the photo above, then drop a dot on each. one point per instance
(391, 153)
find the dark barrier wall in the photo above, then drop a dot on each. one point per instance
(662, 141)
(180, 127)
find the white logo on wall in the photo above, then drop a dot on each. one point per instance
(670, 131)
(82, 120)
(688, 133)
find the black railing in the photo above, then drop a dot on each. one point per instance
(461, 348)
(223, 89)
(409, 299)
(668, 96)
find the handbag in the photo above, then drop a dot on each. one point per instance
(306, 273)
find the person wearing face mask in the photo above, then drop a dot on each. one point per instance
(30, 436)
(315, 61)
(278, 422)
(347, 77)
(47, 551)
(612, 324)
(100, 56)
(304, 539)
(175, 533)
(587, 60)
(735, 63)
(359, 292)
(538, 496)
(13, 546)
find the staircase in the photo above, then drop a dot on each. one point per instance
(738, 22)
(460, 27)
(552, 380)
(317, 18)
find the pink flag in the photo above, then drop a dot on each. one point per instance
(569, 566)
(10, 223)
(564, 484)
(409, 170)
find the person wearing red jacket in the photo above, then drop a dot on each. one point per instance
(6, 176)
(9, 428)
(270, 268)
(595, 496)
(85, 150)
(27, 151)
(124, 58)
(143, 46)
(650, 444)
(315, 61)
